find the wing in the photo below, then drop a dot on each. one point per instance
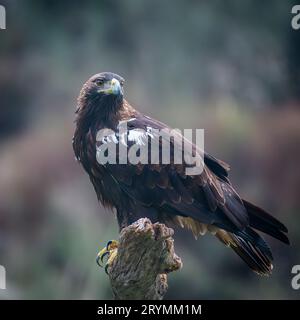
(207, 197)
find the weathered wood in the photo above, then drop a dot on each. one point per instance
(145, 256)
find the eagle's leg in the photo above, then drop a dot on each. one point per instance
(110, 251)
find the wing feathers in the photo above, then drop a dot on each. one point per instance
(251, 248)
(208, 198)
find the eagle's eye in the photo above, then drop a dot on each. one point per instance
(99, 82)
(122, 82)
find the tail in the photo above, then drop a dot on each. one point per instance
(263, 221)
(249, 245)
(251, 248)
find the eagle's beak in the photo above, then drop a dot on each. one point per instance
(112, 87)
(116, 87)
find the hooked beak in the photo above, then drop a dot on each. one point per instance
(112, 87)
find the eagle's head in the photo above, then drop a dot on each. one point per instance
(101, 96)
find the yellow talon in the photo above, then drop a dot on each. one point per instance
(110, 251)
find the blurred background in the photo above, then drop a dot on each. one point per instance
(231, 67)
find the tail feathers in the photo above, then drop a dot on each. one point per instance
(263, 221)
(251, 248)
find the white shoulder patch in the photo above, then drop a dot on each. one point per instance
(138, 136)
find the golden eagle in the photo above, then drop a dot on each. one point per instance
(164, 192)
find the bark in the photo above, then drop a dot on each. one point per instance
(145, 256)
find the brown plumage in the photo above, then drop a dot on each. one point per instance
(163, 192)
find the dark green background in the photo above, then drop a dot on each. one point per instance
(230, 67)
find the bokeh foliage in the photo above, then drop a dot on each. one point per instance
(230, 67)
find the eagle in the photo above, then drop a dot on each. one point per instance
(164, 192)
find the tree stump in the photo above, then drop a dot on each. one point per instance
(145, 256)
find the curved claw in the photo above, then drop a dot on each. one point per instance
(106, 268)
(109, 243)
(112, 244)
(101, 255)
(106, 251)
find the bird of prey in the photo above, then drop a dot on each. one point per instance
(206, 202)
